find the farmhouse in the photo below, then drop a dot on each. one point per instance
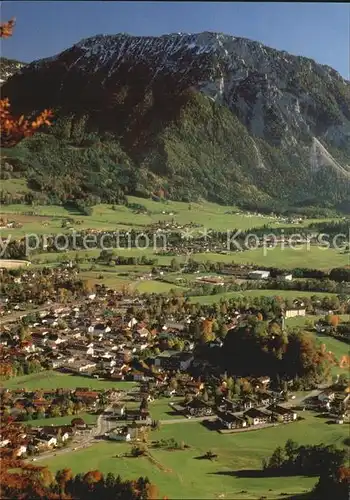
(174, 360)
(120, 434)
(326, 396)
(285, 277)
(198, 408)
(118, 410)
(292, 313)
(258, 417)
(137, 415)
(231, 421)
(259, 275)
(286, 414)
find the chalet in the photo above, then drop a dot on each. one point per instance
(285, 277)
(20, 450)
(142, 332)
(46, 442)
(215, 343)
(132, 323)
(259, 275)
(174, 360)
(79, 423)
(231, 421)
(258, 417)
(292, 313)
(118, 410)
(137, 415)
(286, 414)
(228, 405)
(89, 398)
(246, 403)
(198, 408)
(326, 396)
(121, 434)
(264, 398)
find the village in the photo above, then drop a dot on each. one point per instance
(104, 335)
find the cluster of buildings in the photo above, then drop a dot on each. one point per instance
(17, 441)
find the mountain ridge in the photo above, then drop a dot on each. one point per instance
(269, 109)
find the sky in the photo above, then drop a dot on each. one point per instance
(317, 30)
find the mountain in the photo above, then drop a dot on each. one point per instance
(8, 67)
(199, 115)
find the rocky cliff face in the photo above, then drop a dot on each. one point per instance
(270, 117)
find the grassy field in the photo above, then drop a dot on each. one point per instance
(315, 258)
(208, 215)
(337, 347)
(181, 474)
(55, 380)
(160, 409)
(152, 286)
(288, 294)
(288, 258)
(89, 418)
(302, 320)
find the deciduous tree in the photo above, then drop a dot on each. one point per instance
(14, 129)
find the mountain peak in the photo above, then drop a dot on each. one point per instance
(290, 113)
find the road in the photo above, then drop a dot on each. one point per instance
(103, 425)
(183, 420)
(300, 399)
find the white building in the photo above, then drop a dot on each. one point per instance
(259, 275)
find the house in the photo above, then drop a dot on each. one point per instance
(259, 275)
(198, 408)
(292, 313)
(246, 403)
(118, 410)
(231, 421)
(258, 417)
(174, 360)
(132, 323)
(121, 434)
(4, 442)
(47, 441)
(326, 396)
(229, 405)
(79, 423)
(21, 450)
(285, 277)
(264, 398)
(169, 392)
(215, 343)
(138, 415)
(143, 332)
(286, 414)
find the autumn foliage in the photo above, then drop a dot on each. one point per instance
(14, 129)
(6, 29)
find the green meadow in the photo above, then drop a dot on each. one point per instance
(183, 474)
(54, 380)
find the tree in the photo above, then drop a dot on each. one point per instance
(62, 477)
(174, 265)
(277, 458)
(93, 476)
(144, 404)
(207, 330)
(14, 129)
(291, 449)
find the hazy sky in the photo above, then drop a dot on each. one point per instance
(316, 30)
